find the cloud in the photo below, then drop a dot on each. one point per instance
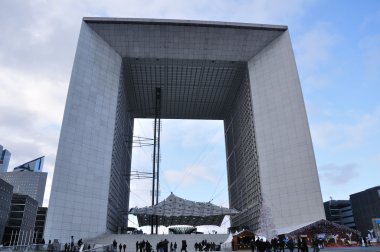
(377, 158)
(335, 174)
(370, 46)
(356, 130)
(370, 21)
(316, 45)
(193, 133)
(189, 176)
(314, 50)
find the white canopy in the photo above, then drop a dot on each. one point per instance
(177, 211)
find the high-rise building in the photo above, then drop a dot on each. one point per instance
(39, 227)
(20, 225)
(6, 191)
(340, 212)
(28, 183)
(244, 74)
(5, 157)
(366, 208)
(34, 165)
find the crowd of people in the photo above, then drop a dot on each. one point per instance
(162, 246)
(205, 246)
(279, 245)
(72, 247)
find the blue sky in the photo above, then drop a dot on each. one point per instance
(337, 50)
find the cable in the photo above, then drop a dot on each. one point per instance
(219, 193)
(217, 185)
(189, 170)
(138, 195)
(142, 129)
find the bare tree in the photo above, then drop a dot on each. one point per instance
(266, 225)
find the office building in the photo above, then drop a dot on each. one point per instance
(243, 74)
(366, 208)
(20, 225)
(340, 212)
(35, 165)
(6, 191)
(28, 183)
(5, 157)
(39, 227)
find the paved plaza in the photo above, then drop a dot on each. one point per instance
(351, 249)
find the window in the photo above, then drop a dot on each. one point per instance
(378, 192)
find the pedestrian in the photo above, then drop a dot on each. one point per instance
(290, 244)
(124, 247)
(281, 243)
(142, 245)
(299, 244)
(72, 243)
(253, 245)
(114, 245)
(120, 247)
(315, 245)
(184, 246)
(304, 247)
(148, 247)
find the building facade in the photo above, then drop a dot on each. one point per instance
(366, 208)
(244, 74)
(376, 228)
(20, 225)
(34, 165)
(340, 212)
(5, 157)
(6, 191)
(28, 183)
(39, 227)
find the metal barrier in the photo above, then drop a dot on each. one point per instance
(100, 248)
(25, 248)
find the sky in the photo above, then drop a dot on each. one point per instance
(337, 50)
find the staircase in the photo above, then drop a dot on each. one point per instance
(131, 239)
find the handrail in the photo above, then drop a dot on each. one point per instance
(24, 248)
(102, 248)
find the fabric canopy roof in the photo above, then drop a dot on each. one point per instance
(324, 227)
(177, 211)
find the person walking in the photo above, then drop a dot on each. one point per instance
(148, 247)
(304, 247)
(290, 244)
(299, 244)
(274, 243)
(114, 245)
(281, 244)
(120, 247)
(124, 247)
(253, 245)
(315, 245)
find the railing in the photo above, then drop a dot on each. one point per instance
(55, 247)
(25, 248)
(99, 248)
